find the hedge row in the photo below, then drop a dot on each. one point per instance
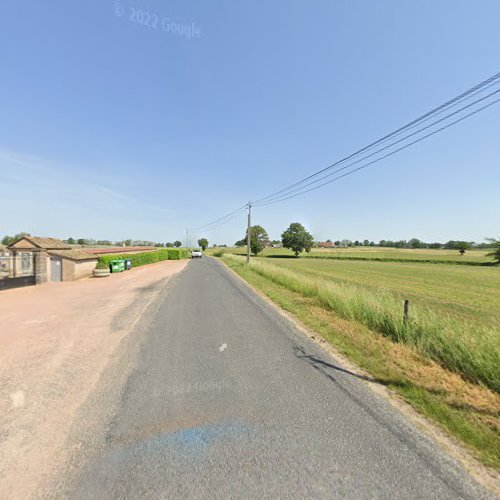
(141, 259)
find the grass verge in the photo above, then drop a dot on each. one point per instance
(468, 411)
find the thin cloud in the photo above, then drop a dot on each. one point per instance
(51, 183)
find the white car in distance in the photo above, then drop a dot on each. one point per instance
(196, 253)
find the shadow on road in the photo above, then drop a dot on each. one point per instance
(320, 364)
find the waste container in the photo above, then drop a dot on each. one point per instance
(117, 266)
(128, 264)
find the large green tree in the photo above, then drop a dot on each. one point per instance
(203, 242)
(495, 253)
(258, 239)
(297, 238)
(177, 243)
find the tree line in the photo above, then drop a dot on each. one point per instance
(412, 243)
(8, 240)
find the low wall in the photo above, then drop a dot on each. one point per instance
(83, 269)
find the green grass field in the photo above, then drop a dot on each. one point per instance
(471, 256)
(454, 325)
(465, 292)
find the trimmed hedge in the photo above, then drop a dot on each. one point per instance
(141, 259)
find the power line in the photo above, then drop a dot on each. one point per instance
(217, 220)
(288, 191)
(439, 109)
(214, 226)
(387, 155)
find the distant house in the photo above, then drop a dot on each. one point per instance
(326, 244)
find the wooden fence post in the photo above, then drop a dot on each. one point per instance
(406, 311)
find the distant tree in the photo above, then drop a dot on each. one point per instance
(328, 241)
(337, 243)
(8, 240)
(258, 239)
(103, 242)
(356, 243)
(372, 243)
(386, 243)
(435, 245)
(169, 244)
(297, 238)
(495, 253)
(240, 243)
(177, 243)
(276, 242)
(158, 245)
(462, 247)
(81, 241)
(203, 242)
(415, 243)
(366, 243)
(128, 243)
(451, 245)
(70, 241)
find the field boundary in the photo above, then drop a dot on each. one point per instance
(381, 259)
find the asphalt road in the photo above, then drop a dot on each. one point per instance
(216, 395)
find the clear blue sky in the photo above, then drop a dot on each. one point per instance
(110, 129)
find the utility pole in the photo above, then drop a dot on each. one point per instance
(248, 230)
(187, 240)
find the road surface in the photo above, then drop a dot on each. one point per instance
(216, 395)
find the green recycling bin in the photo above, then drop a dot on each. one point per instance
(117, 266)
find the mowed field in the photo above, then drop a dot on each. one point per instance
(425, 254)
(445, 361)
(467, 292)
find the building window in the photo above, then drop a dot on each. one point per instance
(25, 261)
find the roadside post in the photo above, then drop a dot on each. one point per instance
(406, 310)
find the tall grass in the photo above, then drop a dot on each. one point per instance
(465, 348)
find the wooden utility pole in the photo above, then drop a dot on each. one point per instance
(248, 231)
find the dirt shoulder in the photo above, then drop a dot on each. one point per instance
(55, 341)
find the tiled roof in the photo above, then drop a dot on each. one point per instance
(103, 251)
(46, 243)
(74, 254)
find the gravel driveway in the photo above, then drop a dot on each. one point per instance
(55, 340)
